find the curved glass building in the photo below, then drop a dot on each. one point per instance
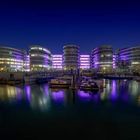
(71, 57)
(102, 58)
(130, 58)
(40, 58)
(12, 60)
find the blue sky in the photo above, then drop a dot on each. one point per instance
(56, 23)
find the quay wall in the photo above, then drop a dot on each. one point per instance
(15, 75)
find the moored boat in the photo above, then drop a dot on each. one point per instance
(59, 83)
(89, 85)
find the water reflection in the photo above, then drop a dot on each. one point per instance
(114, 90)
(58, 96)
(10, 93)
(42, 98)
(28, 92)
(39, 98)
(84, 95)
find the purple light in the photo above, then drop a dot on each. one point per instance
(84, 59)
(58, 96)
(19, 95)
(46, 89)
(85, 67)
(114, 89)
(57, 55)
(28, 92)
(84, 95)
(84, 55)
(85, 64)
(57, 62)
(55, 59)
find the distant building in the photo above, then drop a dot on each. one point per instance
(129, 58)
(57, 61)
(13, 60)
(102, 59)
(71, 57)
(40, 58)
(84, 61)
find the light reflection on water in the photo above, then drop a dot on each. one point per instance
(43, 98)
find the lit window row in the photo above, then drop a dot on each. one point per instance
(10, 59)
(44, 66)
(39, 55)
(133, 63)
(11, 63)
(39, 48)
(103, 63)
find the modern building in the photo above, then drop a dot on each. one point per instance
(102, 59)
(26, 64)
(57, 61)
(40, 58)
(71, 57)
(84, 61)
(129, 58)
(12, 60)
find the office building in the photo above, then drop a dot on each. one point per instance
(71, 57)
(102, 59)
(40, 58)
(129, 58)
(13, 60)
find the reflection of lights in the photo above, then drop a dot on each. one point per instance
(58, 96)
(113, 92)
(84, 95)
(28, 92)
(46, 89)
(103, 95)
(138, 100)
(134, 88)
(42, 101)
(10, 93)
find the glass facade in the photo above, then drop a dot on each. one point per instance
(13, 60)
(130, 58)
(102, 58)
(40, 58)
(71, 57)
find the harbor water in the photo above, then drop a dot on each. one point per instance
(38, 111)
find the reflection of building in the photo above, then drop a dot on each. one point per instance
(10, 93)
(84, 61)
(40, 58)
(12, 59)
(102, 58)
(71, 57)
(57, 61)
(129, 58)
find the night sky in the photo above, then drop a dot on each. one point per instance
(53, 24)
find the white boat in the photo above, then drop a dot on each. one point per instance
(60, 82)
